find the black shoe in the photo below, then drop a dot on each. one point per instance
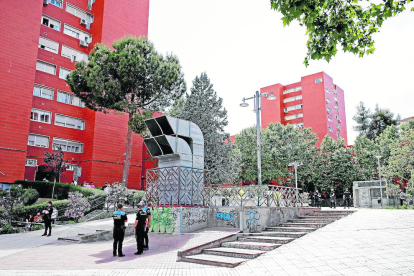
(121, 255)
(137, 253)
(44, 235)
(114, 254)
(49, 235)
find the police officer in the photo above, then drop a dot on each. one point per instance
(120, 218)
(347, 198)
(147, 209)
(332, 198)
(141, 223)
(47, 218)
(317, 197)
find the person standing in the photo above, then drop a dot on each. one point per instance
(120, 218)
(402, 198)
(47, 218)
(317, 197)
(28, 223)
(54, 214)
(147, 209)
(347, 198)
(140, 225)
(332, 198)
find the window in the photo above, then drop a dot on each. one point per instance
(335, 91)
(63, 73)
(38, 141)
(51, 23)
(57, 3)
(327, 90)
(291, 99)
(298, 125)
(338, 126)
(40, 115)
(71, 167)
(73, 54)
(48, 45)
(338, 135)
(330, 129)
(43, 92)
(46, 67)
(76, 33)
(70, 122)
(293, 107)
(67, 145)
(328, 101)
(291, 90)
(31, 162)
(90, 3)
(328, 110)
(330, 119)
(337, 108)
(294, 116)
(318, 80)
(69, 98)
(336, 99)
(72, 9)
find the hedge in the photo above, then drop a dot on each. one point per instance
(30, 196)
(21, 213)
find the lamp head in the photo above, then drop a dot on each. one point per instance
(271, 96)
(244, 104)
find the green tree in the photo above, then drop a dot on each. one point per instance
(401, 161)
(337, 165)
(384, 142)
(245, 146)
(362, 118)
(350, 24)
(365, 151)
(381, 118)
(204, 108)
(128, 78)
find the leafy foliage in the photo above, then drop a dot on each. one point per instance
(77, 206)
(55, 162)
(8, 229)
(362, 118)
(365, 151)
(9, 199)
(329, 24)
(118, 194)
(127, 79)
(204, 108)
(30, 196)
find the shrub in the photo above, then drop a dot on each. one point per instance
(30, 196)
(134, 197)
(36, 227)
(8, 229)
(21, 213)
(77, 206)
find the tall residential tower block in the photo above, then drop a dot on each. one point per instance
(315, 102)
(41, 41)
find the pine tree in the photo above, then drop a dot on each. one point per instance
(362, 118)
(381, 118)
(204, 108)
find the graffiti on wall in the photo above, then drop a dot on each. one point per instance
(229, 218)
(252, 221)
(191, 216)
(163, 220)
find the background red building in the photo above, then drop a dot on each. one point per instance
(41, 41)
(314, 102)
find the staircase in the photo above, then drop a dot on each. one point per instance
(252, 245)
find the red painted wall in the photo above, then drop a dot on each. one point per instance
(19, 33)
(271, 110)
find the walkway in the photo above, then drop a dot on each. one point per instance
(369, 242)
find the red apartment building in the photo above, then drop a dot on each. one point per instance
(41, 41)
(314, 102)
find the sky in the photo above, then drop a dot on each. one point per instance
(243, 46)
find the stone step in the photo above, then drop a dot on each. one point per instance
(263, 246)
(290, 229)
(278, 240)
(234, 252)
(310, 221)
(335, 213)
(276, 234)
(213, 260)
(70, 239)
(304, 224)
(331, 217)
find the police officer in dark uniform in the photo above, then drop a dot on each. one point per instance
(347, 198)
(141, 223)
(148, 210)
(332, 198)
(317, 197)
(47, 218)
(120, 218)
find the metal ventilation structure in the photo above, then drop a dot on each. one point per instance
(179, 147)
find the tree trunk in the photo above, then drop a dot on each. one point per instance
(127, 161)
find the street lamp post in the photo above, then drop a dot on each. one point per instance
(257, 108)
(379, 174)
(296, 165)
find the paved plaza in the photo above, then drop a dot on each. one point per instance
(369, 242)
